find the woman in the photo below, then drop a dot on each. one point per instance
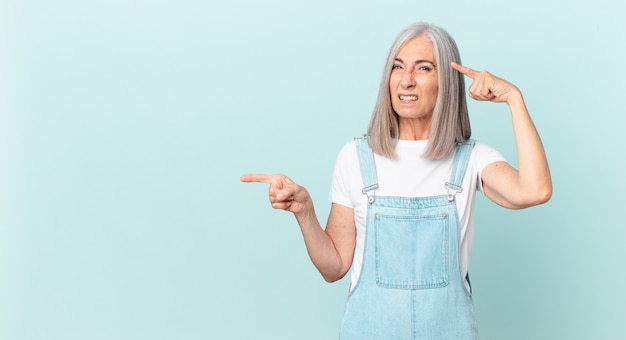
(403, 196)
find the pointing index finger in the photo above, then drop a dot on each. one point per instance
(259, 178)
(465, 70)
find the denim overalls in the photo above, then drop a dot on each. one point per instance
(410, 285)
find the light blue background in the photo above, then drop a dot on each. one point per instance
(125, 125)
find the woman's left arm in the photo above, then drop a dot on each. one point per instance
(531, 184)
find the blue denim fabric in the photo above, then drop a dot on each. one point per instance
(410, 286)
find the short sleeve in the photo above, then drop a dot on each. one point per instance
(346, 168)
(485, 155)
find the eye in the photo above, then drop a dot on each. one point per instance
(424, 68)
(396, 67)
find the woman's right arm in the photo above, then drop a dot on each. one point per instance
(331, 249)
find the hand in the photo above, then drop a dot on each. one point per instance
(284, 193)
(487, 87)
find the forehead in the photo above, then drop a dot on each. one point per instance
(420, 48)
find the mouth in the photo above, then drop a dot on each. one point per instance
(408, 98)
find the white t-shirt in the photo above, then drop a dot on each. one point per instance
(409, 175)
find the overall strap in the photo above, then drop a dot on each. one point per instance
(459, 167)
(368, 168)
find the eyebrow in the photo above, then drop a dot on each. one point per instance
(418, 61)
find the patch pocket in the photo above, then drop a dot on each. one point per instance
(412, 251)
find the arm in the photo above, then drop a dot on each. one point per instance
(531, 184)
(331, 249)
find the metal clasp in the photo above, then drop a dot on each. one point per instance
(366, 191)
(453, 187)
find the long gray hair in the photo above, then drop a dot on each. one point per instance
(450, 123)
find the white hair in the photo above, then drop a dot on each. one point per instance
(450, 123)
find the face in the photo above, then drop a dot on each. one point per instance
(413, 83)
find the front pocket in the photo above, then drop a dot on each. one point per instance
(412, 251)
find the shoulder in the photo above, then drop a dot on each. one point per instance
(481, 148)
(349, 145)
(348, 151)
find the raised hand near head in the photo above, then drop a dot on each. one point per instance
(487, 87)
(283, 192)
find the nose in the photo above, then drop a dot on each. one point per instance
(407, 80)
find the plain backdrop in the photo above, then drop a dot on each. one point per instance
(125, 125)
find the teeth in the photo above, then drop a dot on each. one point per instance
(408, 97)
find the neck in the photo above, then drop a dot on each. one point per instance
(414, 129)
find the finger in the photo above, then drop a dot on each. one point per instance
(282, 205)
(281, 197)
(465, 70)
(478, 91)
(258, 178)
(288, 192)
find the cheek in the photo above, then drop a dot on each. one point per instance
(393, 84)
(434, 91)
